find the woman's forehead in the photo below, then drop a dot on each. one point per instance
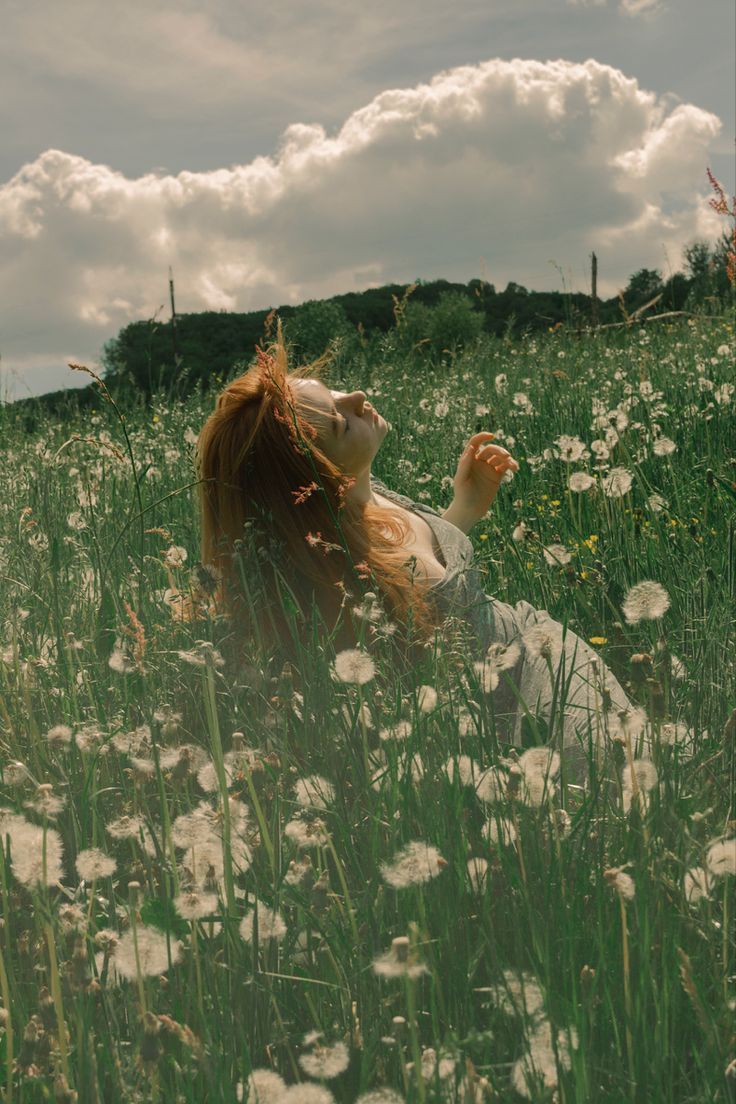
(315, 390)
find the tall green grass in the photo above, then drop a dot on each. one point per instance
(110, 707)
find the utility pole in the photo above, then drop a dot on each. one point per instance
(594, 283)
(173, 319)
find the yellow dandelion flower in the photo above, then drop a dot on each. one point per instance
(598, 639)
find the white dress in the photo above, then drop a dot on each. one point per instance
(527, 708)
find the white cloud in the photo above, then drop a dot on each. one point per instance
(491, 169)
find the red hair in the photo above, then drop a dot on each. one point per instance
(277, 527)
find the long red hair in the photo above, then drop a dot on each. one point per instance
(278, 529)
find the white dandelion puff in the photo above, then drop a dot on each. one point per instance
(314, 792)
(399, 961)
(152, 954)
(721, 856)
(93, 863)
(264, 1087)
(326, 1062)
(664, 446)
(270, 924)
(307, 832)
(622, 882)
(580, 481)
(355, 666)
(414, 864)
(617, 483)
(544, 640)
(555, 554)
(500, 830)
(646, 601)
(697, 883)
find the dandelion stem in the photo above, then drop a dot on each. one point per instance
(58, 1004)
(627, 993)
(411, 1015)
(5, 993)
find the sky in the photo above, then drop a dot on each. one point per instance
(274, 153)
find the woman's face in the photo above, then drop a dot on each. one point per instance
(349, 430)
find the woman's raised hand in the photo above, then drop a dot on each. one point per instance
(480, 472)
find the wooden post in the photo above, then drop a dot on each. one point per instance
(594, 290)
(173, 319)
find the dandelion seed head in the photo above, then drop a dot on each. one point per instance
(195, 905)
(543, 640)
(399, 961)
(414, 864)
(306, 833)
(94, 863)
(721, 856)
(500, 830)
(270, 924)
(580, 481)
(697, 883)
(478, 873)
(646, 601)
(264, 1087)
(380, 1096)
(307, 1094)
(617, 483)
(354, 665)
(153, 952)
(326, 1062)
(60, 734)
(664, 446)
(621, 882)
(314, 791)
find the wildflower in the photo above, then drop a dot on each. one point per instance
(570, 449)
(15, 774)
(314, 791)
(120, 661)
(36, 852)
(354, 665)
(72, 918)
(519, 994)
(307, 1094)
(464, 768)
(399, 961)
(125, 827)
(629, 722)
(194, 905)
(426, 699)
(93, 863)
(434, 1066)
(264, 1087)
(45, 802)
(492, 785)
(544, 640)
(620, 881)
(153, 952)
(59, 734)
(326, 1062)
(697, 883)
(270, 924)
(645, 774)
(540, 760)
(539, 1061)
(645, 602)
(503, 657)
(477, 873)
(414, 864)
(202, 654)
(580, 481)
(486, 674)
(556, 554)
(175, 556)
(398, 731)
(663, 446)
(133, 742)
(380, 1096)
(500, 830)
(307, 833)
(721, 856)
(675, 732)
(656, 503)
(617, 482)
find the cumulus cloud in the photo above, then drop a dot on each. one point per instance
(492, 169)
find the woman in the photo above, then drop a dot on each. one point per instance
(285, 464)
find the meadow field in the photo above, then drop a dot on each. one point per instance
(223, 882)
